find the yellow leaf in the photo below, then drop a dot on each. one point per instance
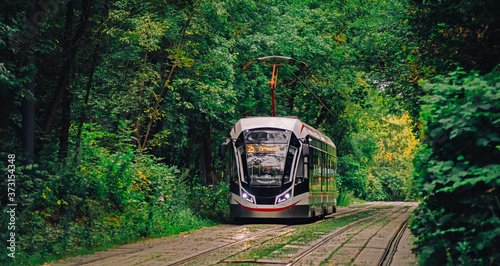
(59, 202)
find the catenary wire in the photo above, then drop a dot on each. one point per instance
(310, 90)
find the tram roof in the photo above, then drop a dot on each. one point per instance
(300, 129)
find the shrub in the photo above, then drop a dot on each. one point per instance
(210, 202)
(113, 196)
(458, 171)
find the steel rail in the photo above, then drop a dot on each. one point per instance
(313, 248)
(206, 252)
(393, 244)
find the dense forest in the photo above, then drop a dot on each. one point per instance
(112, 113)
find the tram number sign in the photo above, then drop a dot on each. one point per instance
(259, 148)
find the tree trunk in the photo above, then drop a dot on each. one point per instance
(71, 49)
(63, 84)
(63, 93)
(187, 155)
(170, 76)
(28, 113)
(83, 115)
(206, 162)
(28, 102)
(65, 71)
(138, 129)
(6, 98)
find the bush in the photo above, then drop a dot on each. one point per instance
(458, 171)
(352, 176)
(210, 202)
(113, 196)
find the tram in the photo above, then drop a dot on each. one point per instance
(279, 167)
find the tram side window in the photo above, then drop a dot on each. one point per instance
(242, 157)
(315, 169)
(231, 172)
(300, 171)
(290, 158)
(331, 181)
(324, 172)
(312, 166)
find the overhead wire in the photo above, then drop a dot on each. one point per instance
(312, 92)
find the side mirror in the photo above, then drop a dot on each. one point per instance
(305, 150)
(223, 147)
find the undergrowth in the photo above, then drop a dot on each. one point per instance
(346, 198)
(111, 195)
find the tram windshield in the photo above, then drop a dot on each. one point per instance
(266, 152)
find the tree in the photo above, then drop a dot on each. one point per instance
(393, 161)
(455, 33)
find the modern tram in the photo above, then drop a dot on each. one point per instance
(279, 167)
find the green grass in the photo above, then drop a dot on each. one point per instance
(348, 198)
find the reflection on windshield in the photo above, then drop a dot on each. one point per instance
(266, 155)
(266, 168)
(267, 136)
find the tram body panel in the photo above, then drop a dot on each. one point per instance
(296, 207)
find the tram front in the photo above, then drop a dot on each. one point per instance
(263, 171)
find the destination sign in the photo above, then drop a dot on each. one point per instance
(260, 148)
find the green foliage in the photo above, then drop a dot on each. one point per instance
(210, 202)
(451, 33)
(458, 172)
(380, 164)
(114, 196)
(346, 198)
(352, 176)
(392, 162)
(163, 79)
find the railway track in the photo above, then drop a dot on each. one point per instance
(304, 254)
(388, 254)
(215, 249)
(392, 247)
(309, 243)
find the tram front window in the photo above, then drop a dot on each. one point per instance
(266, 152)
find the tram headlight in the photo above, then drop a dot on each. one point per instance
(284, 197)
(248, 198)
